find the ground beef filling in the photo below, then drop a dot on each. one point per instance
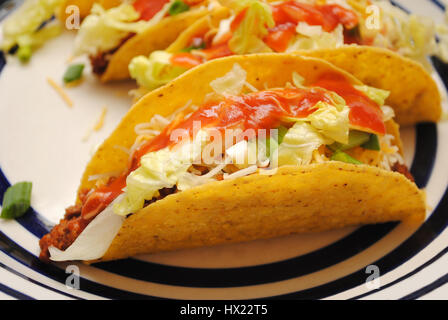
(100, 61)
(403, 169)
(70, 227)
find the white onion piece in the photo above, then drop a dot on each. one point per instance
(94, 240)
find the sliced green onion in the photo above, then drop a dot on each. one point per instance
(355, 139)
(73, 72)
(344, 157)
(193, 47)
(177, 7)
(16, 200)
(281, 133)
(272, 143)
(372, 144)
(24, 53)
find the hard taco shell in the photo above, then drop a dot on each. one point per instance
(149, 41)
(308, 198)
(414, 94)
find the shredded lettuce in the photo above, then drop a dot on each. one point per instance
(247, 38)
(247, 153)
(331, 121)
(24, 26)
(317, 39)
(379, 96)
(231, 83)
(223, 30)
(298, 80)
(154, 71)
(388, 113)
(305, 29)
(159, 169)
(299, 144)
(103, 30)
(410, 35)
(189, 180)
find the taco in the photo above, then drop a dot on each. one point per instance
(414, 94)
(112, 37)
(233, 151)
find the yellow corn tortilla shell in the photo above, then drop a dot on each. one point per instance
(414, 95)
(295, 199)
(149, 41)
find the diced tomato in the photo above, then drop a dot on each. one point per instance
(185, 60)
(218, 51)
(348, 18)
(237, 20)
(148, 8)
(280, 36)
(279, 15)
(301, 12)
(327, 16)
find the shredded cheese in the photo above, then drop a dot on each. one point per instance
(87, 135)
(391, 153)
(105, 175)
(145, 129)
(70, 59)
(241, 173)
(97, 126)
(125, 150)
(100, 122)
(61, 92)
(250, 87)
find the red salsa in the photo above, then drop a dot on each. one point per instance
(148, 8)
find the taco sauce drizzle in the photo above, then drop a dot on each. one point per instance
(148, 8)
(259, 110)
